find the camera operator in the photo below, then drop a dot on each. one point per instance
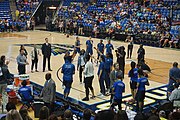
(120, 54)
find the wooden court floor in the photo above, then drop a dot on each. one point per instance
(160, 60)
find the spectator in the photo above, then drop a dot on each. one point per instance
(105, 115)
(4, 74)
(13, 115)
(25, 92)
(140, 116)
(77, 45)
(44, 113)
(80, 30)
(174, 116)
(129, 39)
(153, 117)
(86, 114)
(53, 117)
(34, 57)
(68, 115)
(48, 92)
(24, 114)
(25, 51)
(121, 115)
(120, 54)
(141, 53)
(174, 77)
(175, 94)
(10, 106)
(174, 42)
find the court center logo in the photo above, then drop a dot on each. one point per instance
(56, 48)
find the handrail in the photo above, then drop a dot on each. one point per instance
(36, 9)
(56, 14)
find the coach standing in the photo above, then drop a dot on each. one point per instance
(46, 51)
(141, 53)
(48, 92)
(22, 62)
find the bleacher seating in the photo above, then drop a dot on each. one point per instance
(5, 11)
(26, 8)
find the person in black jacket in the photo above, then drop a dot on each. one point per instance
(4, 73)
(141, 53)
(46, 51)
(120, 54)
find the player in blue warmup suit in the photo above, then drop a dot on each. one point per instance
(68, 69)
(141, 89)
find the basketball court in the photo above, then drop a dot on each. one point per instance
(159, 59)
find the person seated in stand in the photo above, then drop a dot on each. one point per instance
(174, 42)
(175, 95)
(165, 39)
(25, 92)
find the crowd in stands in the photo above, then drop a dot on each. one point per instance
(25, 8)
(22, 114)
(109, 18)
(22, 20)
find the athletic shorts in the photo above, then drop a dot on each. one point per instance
(88, 81)
(67, 83)
(133, 85)
(140, 96)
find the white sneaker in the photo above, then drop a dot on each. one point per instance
(63, 86)
(101, 95)
(108, 91)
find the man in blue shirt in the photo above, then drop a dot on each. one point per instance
(101, 75)
(77, 45)
(22, 62)
(25, 92)
(100, 47)
(174, 77)
(89, 46)
(117, 90)
(109, 48)
(133, 74)
(68, 69)
(107, 68)
(140, 95)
